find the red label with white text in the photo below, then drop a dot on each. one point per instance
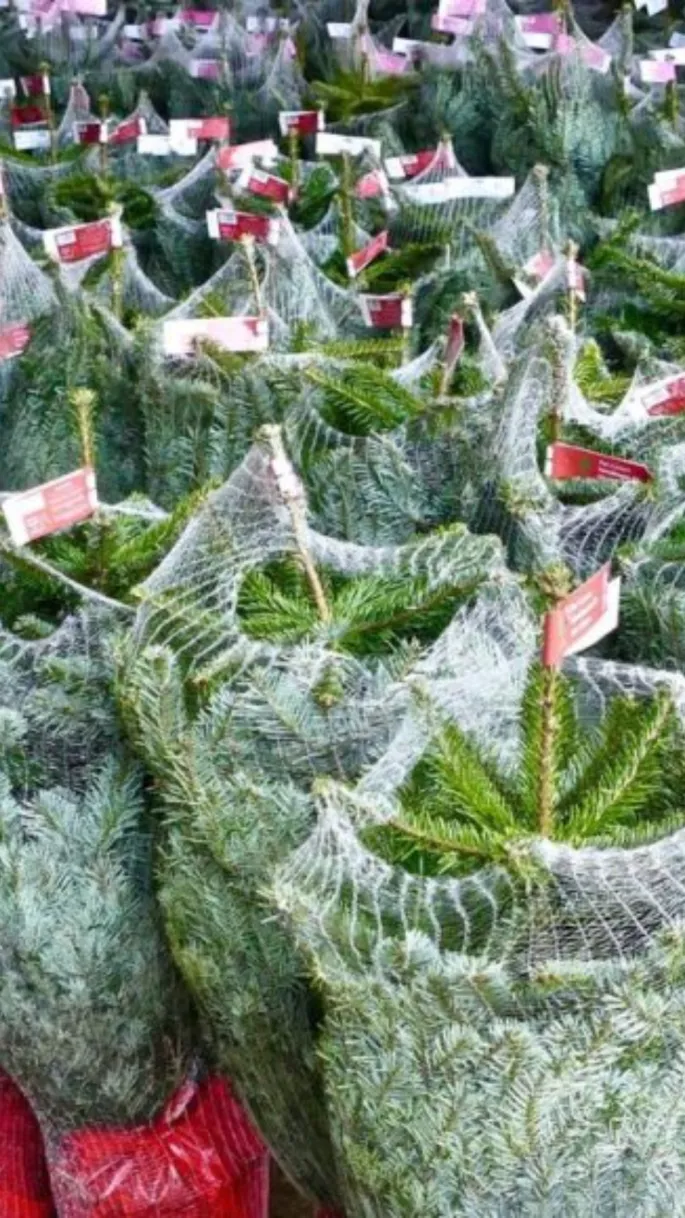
(89, 133)
(129, 131)
(13, 339)
(217, 128)
(266, 186)
(301, 122)
(387, 312)
(581, 619)
(358, 261)
(24, 116)
(35, 86)
(569, 461)
(241, 155)
(53, 506)
(666, 397)
(83, 240)
(234, 225)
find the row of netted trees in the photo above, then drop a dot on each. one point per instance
(294, 789)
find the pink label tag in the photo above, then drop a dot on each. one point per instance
(26, 116)
(575, 278)
(371, 185)
(657, 72)
(461, 8)
(568, 461)
(386, 63)
(129, 131)
(34, 86)
(455, 342)
(387, 312)
(47, 509)
(414, 163)
(667, 397)
(358, 261)
(246, 334)
(202, 19)
(581, 620)
(67, 245)
(301, 122)
(183, 129)
(234, 225)
(241, 155)
(539, 30)
(89, 133)
(13, 340)
(205, 69)
(86, 8)
(536, 268)
(266, 186)
(451, 25)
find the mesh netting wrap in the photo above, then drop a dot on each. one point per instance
(111, 1041)
(546, 999)
(24, 1183)
(190, 602)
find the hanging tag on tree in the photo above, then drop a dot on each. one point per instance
(90, 133)
(329, 143)
(392, 312)
(582, 619)
(240, 334)
(241, 156)
(183, 131)
(413, 163)
(662, 398)
(372, 185)
(301, 122)
(26, 116)
(13, 340)
(387, 63)
(51, 507)
(161, 145)
(441, 23)
(198, 18)
(357, 262)
(569, 461)
(460, 188)
(205, 69)
(667, 188)
(128, 131)
(226, 225)
(539, 30)
(79, 241)
(85, 8)
(536, 268)
(575, 278)
(35, 86)
(653, 72)
(265, 186)
(455, 343)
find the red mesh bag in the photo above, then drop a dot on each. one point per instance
(24, 1182)
(199, 1159)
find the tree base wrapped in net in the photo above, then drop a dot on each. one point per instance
(199, 1159)
(24, 1181)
